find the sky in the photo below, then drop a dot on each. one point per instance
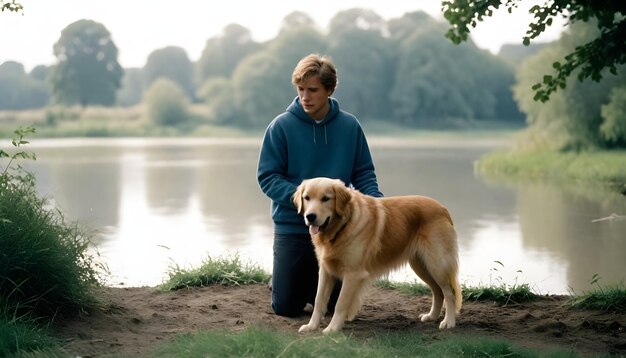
(139, 27)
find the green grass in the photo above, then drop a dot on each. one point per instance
(607, 299)
(612, 298)
(411, 288)
(44, 265)
(602, 167)
(21, 336)
(222, 270)
(502, 295)
(259, 341)
(94, 121)
(45, 269)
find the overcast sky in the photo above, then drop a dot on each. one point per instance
(139, 27)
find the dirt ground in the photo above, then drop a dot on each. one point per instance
(136, 320)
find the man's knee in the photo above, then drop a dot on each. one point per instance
(287, 309)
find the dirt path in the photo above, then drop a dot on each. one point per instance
(136, 320)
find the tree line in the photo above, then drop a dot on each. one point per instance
(401, 70)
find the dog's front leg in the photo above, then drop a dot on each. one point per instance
(349, 300)
(325, 285)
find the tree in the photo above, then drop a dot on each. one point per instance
(221, 55)
(437, 85)
(131, 91)
(606, 51)
(218, 93)
(172, 63)
(584, 115)
(166, 103)
(87, 72)
(262, 82)
(19, 90)
(614, 113)
(362, 53)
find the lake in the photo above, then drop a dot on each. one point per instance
(151, 204)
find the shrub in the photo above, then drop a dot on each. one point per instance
(166, 103)
(45, 269)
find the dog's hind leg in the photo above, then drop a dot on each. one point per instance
(349, 299)
(325, 286)
(435, 309)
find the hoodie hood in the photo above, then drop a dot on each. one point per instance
(296, 109)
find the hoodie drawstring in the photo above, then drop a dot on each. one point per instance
(325, 135)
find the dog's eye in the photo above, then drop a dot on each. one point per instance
(325, 198)
(307, 198)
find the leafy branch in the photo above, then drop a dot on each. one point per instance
(13, 6)
(607, 51)
(18, 143)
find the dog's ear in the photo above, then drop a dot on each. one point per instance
(342, 197)
(297, 198)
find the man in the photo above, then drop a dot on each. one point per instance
(313, 138)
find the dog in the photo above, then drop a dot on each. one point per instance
(358, 238)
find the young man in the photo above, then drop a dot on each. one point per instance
(312, 138)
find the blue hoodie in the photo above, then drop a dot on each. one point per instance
(296, 147)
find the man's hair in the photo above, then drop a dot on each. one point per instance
(316, 65)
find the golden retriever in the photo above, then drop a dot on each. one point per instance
(358, 238)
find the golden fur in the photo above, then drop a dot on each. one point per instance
(358, 238)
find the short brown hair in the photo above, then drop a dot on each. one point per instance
(316, 65)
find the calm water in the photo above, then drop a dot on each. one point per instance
(155, 203)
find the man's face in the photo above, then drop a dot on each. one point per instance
(313, 97)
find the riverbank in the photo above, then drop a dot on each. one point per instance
(606, 168)
(140, 321)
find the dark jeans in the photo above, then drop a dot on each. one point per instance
(294, 276)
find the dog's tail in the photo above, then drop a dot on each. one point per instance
(456, 287)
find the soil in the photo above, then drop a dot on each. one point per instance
(134, 321)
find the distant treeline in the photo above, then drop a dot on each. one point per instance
(403, 70)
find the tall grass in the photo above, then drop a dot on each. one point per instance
(602, 298)
(44, 267)
(45, 270)
(19, 335)
(227, 271)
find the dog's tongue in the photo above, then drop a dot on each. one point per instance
(314, 229)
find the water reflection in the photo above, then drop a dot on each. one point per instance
(155, 203)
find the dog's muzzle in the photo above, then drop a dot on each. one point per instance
(314, 229)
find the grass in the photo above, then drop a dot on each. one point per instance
(259, 341)
(611, 298)
(95, 121)
(262, 341)
(603, 167)
(502, 295)
(411, 288)
(227, 271)
(21, 336)
(58, 122)
(45, 270)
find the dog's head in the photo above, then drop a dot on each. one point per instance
(321, 201)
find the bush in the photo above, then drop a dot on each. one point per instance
(45, 269)
(166, 103)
